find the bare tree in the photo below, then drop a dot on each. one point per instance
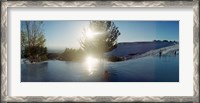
(33, 40)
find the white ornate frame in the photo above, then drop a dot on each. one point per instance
(4, 88)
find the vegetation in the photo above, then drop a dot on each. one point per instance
(53, 56)
(99, 37)
(115, 59)
(33, 41)
(103, 39)
(165, 41)
(72, 55)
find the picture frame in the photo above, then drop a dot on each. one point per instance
(4, 51)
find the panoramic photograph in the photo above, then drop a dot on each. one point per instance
(99, 51)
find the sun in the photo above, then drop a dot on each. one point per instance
(91, 34)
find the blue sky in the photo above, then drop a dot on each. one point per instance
(66, 34)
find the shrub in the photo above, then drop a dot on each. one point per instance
(36, 53)
(72, 55)
(115, 59)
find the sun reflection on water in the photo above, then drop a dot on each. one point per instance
(91, 63)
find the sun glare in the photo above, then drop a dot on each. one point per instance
(90, 34)
(91, 64)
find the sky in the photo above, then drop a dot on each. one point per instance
(66, 34)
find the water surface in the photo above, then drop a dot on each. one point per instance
(146, 69)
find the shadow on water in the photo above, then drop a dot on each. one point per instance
(34, 72)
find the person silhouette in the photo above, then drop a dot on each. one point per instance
(160, 53)
(105, 76)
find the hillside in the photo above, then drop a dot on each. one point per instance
(165, 51)
(136, 48)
